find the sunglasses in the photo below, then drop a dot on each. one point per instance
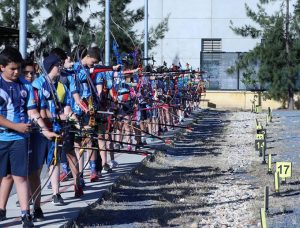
(59, 65)
(26, 73)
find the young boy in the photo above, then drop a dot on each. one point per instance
(17, 104)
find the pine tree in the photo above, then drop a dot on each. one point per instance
(278, 53)
(122, 24)
(65, 27)
(10, 16)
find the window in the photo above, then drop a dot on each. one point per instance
(211, 45)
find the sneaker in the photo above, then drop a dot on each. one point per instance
(78, 191)
(57, 200)
(106, 169)
(181, 119)
(2, 214)
(94, 177)
(144, 141)
(49, 185)
(38, 215)
(27, 221)
(63, 176)
(139, 144)
(113, 164)
(129, 148)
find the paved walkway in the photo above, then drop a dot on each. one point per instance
(59, 216)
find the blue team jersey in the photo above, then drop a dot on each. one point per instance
(180, 83)
(122, 89)
(99, 78)
(16, 98)
(135, 78)
(81, 80)
(153, 84)
(70, 83)
(105, 78)
(81, 85)
(51, 95)
(37, 83)
(186, 80)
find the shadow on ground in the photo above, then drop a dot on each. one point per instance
(154, 194)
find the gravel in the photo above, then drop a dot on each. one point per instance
(212, 178)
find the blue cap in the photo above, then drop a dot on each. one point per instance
(50, 61)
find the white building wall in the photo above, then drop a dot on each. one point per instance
(192, 20)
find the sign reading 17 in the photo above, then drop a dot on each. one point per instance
(284, 169)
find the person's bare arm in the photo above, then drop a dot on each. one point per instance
(35, 115)
(19, 127)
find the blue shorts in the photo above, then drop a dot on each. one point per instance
(39, 146)
(14, 158)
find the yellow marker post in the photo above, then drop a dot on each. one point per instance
(270, 114)
(260, 136)
(276, 181)
(263, 218)
(284, 169)
(259, 127)
(266, 199)
(263, 150)
(269, 163)
(258, 109)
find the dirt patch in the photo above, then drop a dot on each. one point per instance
(212, 178)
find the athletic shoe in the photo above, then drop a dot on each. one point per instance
(113, 164)
(117, 146)
(139, 144)
(181, 118)
(94, 177)
(2, 214)
(38, 215)
(27, 221)
(57, 200)
(106, 169)
(78, 191)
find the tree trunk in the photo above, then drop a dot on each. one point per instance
(291, 102)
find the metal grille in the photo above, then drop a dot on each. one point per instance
(211, 45)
